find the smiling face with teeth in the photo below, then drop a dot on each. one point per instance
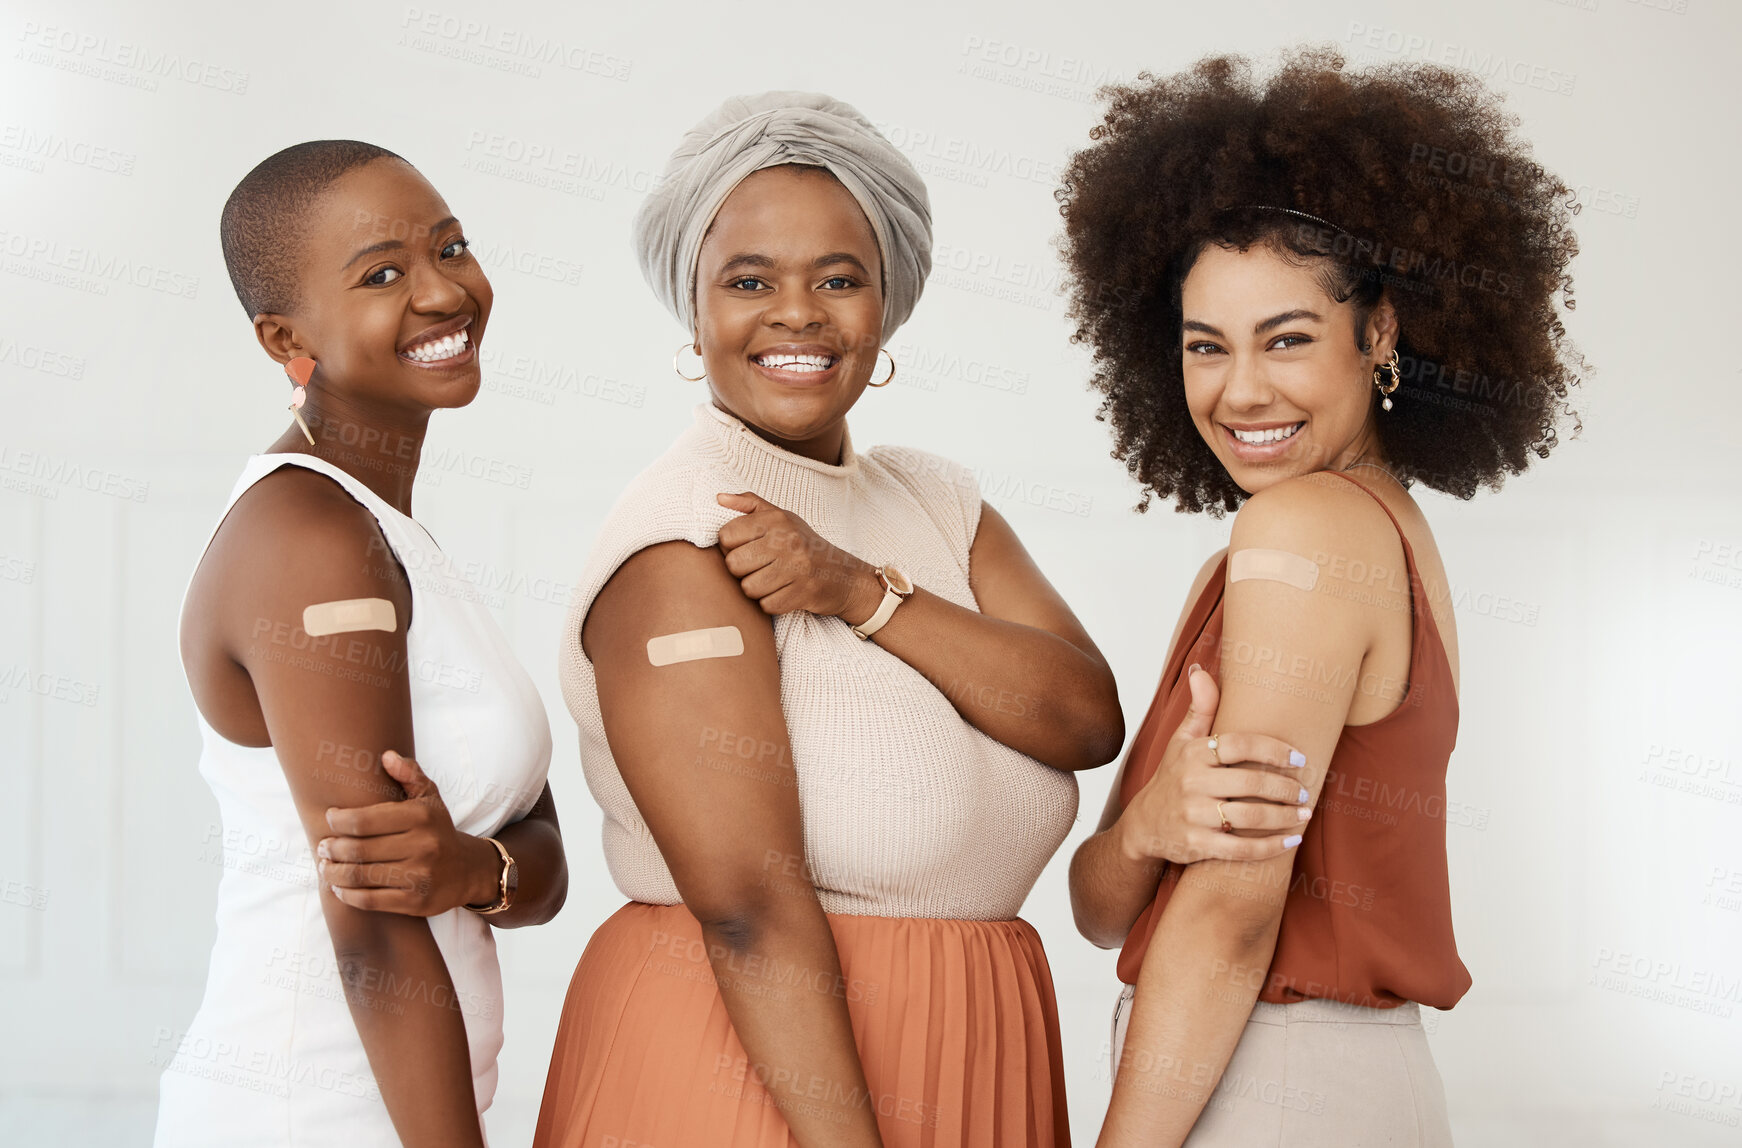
(1275, 376)
(789, 306)
(391, 304)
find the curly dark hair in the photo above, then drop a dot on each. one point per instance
(1404, 181)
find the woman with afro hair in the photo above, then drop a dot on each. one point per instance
(1305, 295)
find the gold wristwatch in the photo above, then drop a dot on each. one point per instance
(507, 882)
(897, 588)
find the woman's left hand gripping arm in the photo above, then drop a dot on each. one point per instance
(1021, 669)
(407, 856)
(1290, 663)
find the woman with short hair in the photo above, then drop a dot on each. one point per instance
(353, 994)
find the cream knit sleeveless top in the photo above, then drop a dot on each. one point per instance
(908, 810)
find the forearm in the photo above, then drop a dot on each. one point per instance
(780, 978)
(1020, 685)
(1110, 885)
(1194, 997)
(409, 1018)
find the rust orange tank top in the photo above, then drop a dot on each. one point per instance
(1368, 918)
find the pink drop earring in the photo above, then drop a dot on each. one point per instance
(300, 370)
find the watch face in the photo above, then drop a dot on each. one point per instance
(898, 581)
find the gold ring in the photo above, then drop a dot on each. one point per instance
(1227, 826)
(1214, 748)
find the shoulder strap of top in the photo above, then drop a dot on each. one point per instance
(261, 465)
(264, 464)
(1421, 615)
(389, 516)
(1369, 493)
(1396, 525)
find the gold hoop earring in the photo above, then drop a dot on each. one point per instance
(674, 358)
(1385, 389)
(882, 351)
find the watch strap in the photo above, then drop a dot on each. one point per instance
(502, 900)
(885, 608)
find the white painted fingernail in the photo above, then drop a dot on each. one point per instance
(1305, 813)
(1304, 795)
(1296, 758)
(1291, 842)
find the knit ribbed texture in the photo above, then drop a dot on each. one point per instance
(908, 810)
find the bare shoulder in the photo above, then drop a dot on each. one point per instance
(296, 538)
(676, 563)
(1318, 516)
(292, 540)
(1358, 589)
(299, 525)
(675, 586)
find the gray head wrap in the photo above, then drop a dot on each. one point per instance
(749, 133)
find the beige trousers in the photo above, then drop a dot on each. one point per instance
(1321, 1074)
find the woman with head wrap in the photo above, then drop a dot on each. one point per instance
(828, 704)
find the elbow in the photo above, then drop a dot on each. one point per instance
(1103, 722)
(365, 942)
(735, 933)
(559, 888)
(555, 897)
(560, 895)
(1094, 931)
(1108, 740)
(1098, 730)
(1096, 927)
(1089, 925)
(1092, 920)
(736, 916)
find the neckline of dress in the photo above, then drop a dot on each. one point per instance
(732, 429)
(326, 467)
(333, 470)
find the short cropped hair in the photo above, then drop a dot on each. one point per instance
(1405, 181)
(266, 216)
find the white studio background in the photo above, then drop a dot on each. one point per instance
(1596, 864)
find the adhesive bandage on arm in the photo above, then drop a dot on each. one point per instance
(1273, 566)
(692, 645)
(351, 614)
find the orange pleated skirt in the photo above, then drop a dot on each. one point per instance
(955, 1021)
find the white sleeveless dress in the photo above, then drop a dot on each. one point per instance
(273, 1056)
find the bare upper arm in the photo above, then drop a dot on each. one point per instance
(1008, 585)
(701, 745)
(1110, 812)
(1292, 660)
(331, 704)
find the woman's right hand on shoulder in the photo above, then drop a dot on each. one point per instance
(1179, 813)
